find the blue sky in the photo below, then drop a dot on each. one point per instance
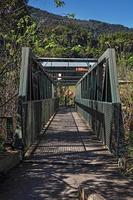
(111, 11)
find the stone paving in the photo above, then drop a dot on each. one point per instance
(68, 156)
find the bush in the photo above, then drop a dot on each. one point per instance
(1, 144)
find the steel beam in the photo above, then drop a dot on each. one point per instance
(66, 59)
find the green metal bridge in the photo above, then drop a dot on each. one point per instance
(71, 152)
(97, 95)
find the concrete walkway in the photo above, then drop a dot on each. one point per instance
(68, 156)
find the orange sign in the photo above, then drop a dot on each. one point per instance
(81, 69)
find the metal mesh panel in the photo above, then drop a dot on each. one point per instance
(98, 102)
(35, 115)
(106, 120)
(37, 97)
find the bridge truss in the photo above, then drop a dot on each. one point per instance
(97, 95)
(98, 101)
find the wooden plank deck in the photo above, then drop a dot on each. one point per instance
(68, 156)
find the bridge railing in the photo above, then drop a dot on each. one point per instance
(35, 115)
(98, 101)
(37, 98)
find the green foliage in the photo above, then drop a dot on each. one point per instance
(71, 16)
(59, 3)
(130, 62)
(12, 27)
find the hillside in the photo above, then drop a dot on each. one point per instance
(97, 27)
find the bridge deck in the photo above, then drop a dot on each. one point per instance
(68, 155)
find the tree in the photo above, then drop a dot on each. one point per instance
(59, 3)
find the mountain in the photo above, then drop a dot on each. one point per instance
(97, 27)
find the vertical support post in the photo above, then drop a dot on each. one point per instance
(53, 91)
(113, 76)
(24, 73)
